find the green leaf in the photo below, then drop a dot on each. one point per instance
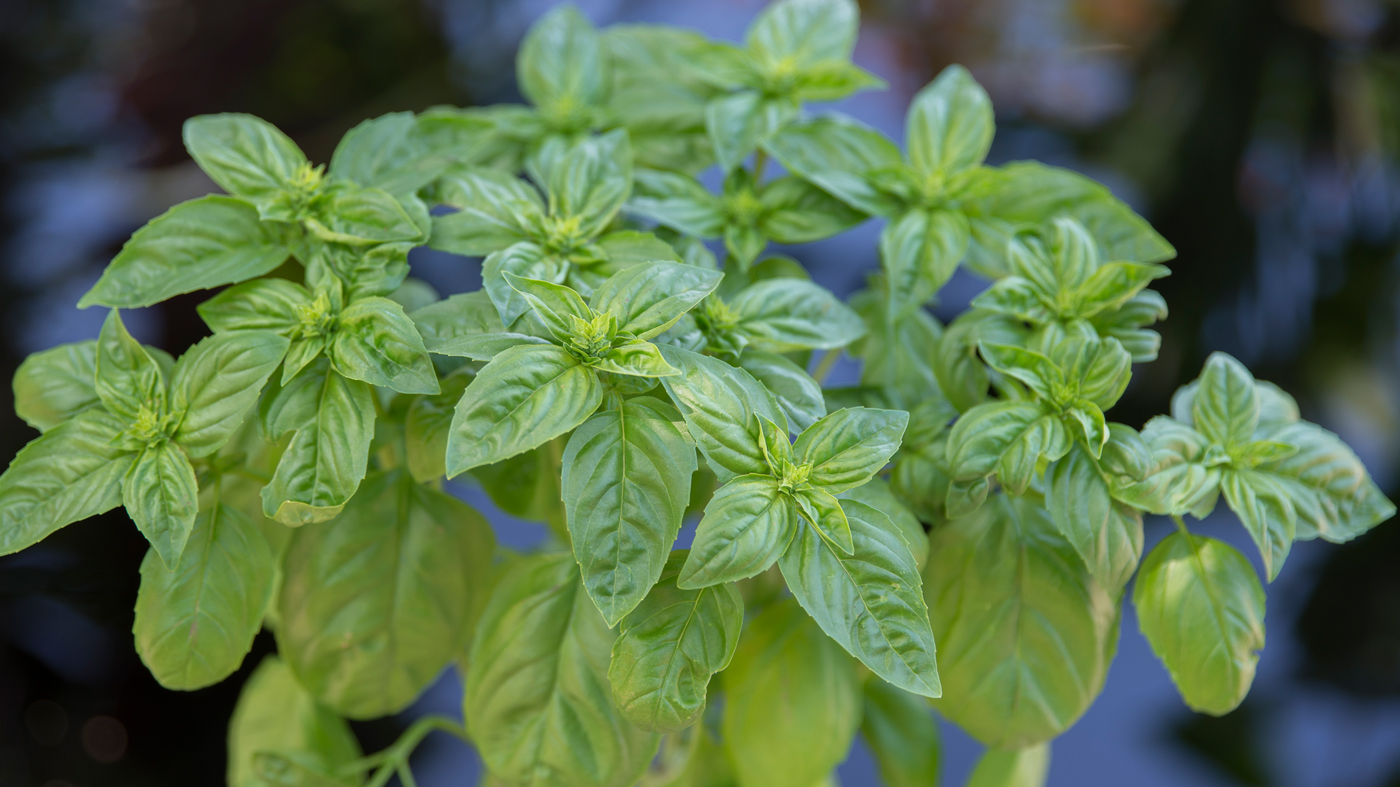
(54, 385)
(554, 304)
(781, 315)
(1106, 533)
(1265, 511)
(649, 298)
(879, 495)
(1038, 372)
(899, 351)
(849, 446)
(375, 342)
(950, 124)
(747, 525)
(128, 378)
(275, 714)
(839, 154)
(538, 703)
(626, 482)
(196, 620)
(258, 305)
(1007, 438)
(527, 261)
(677, 201)
(1028, 194)
(529, 485)
(1201, 608)
(797, 394)
(720, 405)
(333, 418)
(217, 381)
(497, 210)
(1126, 325)
(1184, 474)
(870, 601)
(1114, 284)
(195, 245)
(1027, 767)
(738, 123)
(71, 472)
(561, 64)
(161, 496)
(793, 701)
(901, 733)
(524, 397)
(426, 426)
(960, 373)
(466, 325)
(919, 251)
(1326, 483)
(823, 512)
(669, 646)
(1225, 407)
(586, 179)
(357, 216)
(375, 603)
(1025, 635)
(636, 359)
(803, 33)
(795, 211)
(247, 156)
(388, 153)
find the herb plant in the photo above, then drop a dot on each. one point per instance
(613, 379)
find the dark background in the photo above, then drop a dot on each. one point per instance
(1260, 137)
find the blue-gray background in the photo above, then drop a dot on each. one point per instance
(1260, 136)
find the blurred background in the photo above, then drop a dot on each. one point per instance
(1261, 137)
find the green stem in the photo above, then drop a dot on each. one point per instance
(394, 759)
(1181, 525)
(824, 368)
(760, 160)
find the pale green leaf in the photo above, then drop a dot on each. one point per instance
(720, 405)
(161, 496)
(950, 124)
(217, 381)
(56, 384)
(747, 525)
(275, 714)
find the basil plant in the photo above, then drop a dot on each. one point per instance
(959, 529)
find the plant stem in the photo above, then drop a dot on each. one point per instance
(1181, 525)
(760, 160)
(824, 368)
(394, 760)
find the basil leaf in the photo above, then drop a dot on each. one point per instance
(69, 473)
(553, 303)
(1126, 325)
(849, 446)
(1026, 767)
(901, 733)
(466, 325)
(740, 122)
(161, 496)
(950, 124)
(128, 378)
(1184, 474)
(1016, 616)
(669, 646)
(524, 397)
(258, 305)
(838, 154)
(879, 495)
(626, 482)
(1201, 608)
(649, 298)
(747, 525)
(388, 153)
(497, 210)
(54, 385)
(529, 485)
(823, 512)
(527, 261)
(781, 315)
(375, 342)
(794, 211)
(426, 426)
(803, 33)
(195, 245)
(275, 714)
(636, 359)
(869, 600)
(374, 604)
(358, 216)
(676, 201)
(195, 621)
(333, 418)
(215, 382)
(1029, 194)
(561, 64)
(1007, 438)
(898, 351)
(1106, 533)
(919, 251)
(797, 394)
(793, 701)
(538, 703)
(586, 179)
(720, 405)
(1039, 373)
(1325, 481)
(1226, 407)
(1265, 511)
(247, 156)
